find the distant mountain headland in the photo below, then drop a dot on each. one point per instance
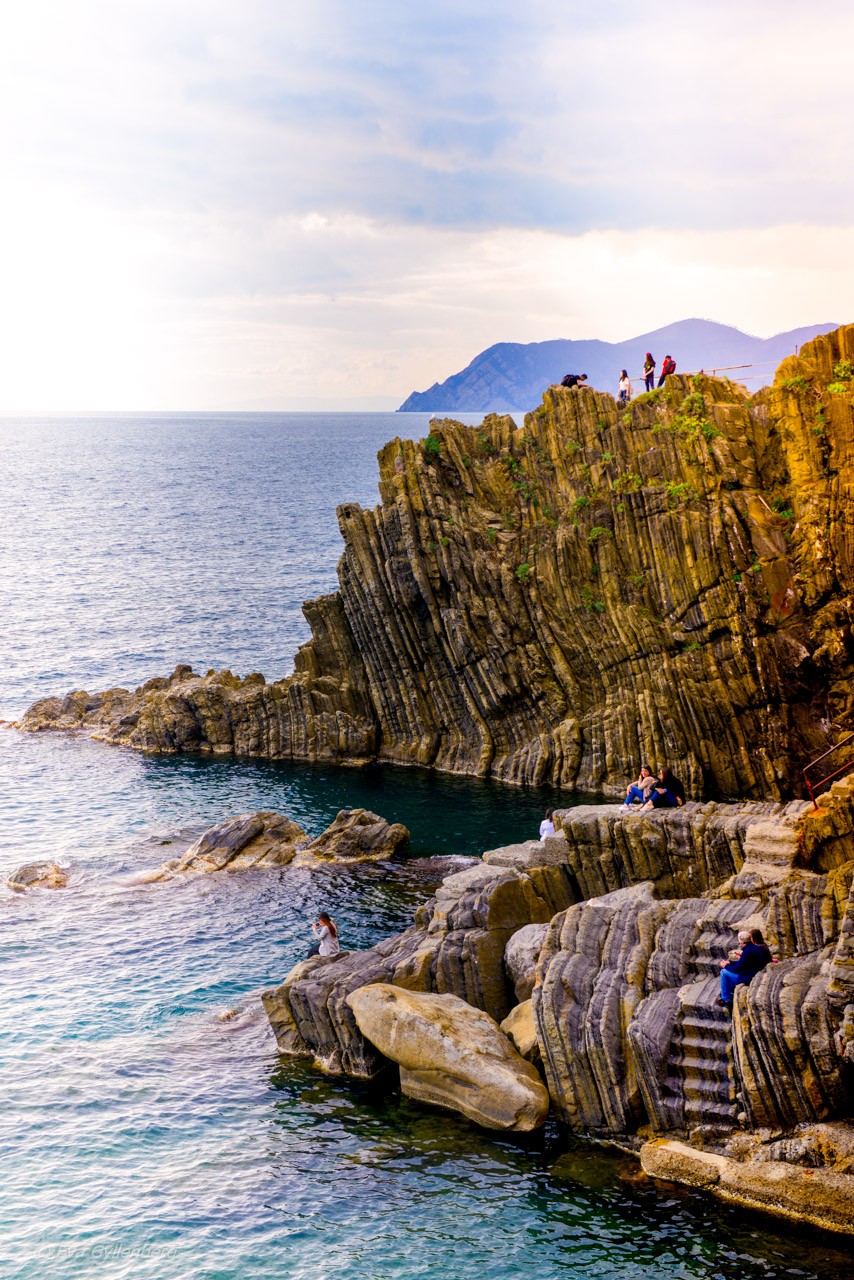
(513, 375)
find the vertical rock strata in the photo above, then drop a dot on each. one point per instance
(629, 919)
(668, 581)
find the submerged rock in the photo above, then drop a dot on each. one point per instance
(38, 875)
(452, 1056)
(667, 581)
(823, 1197)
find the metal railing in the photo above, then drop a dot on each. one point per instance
(813, 787)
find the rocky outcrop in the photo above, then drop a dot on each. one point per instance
(249, 840)
(38, 875)
(267, 839)
(672, 580)
(456, 947)
(453, 1056)
(356, 835)
(624, 1018)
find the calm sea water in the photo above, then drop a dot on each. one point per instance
(148, 1127)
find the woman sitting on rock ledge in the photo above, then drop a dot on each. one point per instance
(641, 789)
(325, 931)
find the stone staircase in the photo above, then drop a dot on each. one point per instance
(699, 1087)
(682, 1037)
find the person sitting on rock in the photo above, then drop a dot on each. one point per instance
(667, 368)
(667, 793)
(573, 379)
(754, 957)
(672, 783)
(743, 939)
(641, 789)
(325, 931)
(547, 826)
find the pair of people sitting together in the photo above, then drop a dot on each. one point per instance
(662, 792)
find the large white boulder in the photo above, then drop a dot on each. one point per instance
(452, 1055)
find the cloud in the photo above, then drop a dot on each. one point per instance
(210, 205)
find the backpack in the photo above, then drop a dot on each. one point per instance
(669, 366)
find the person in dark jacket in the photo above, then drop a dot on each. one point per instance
(754, 957)
(672, 783)
(573, 379)
(649, 371)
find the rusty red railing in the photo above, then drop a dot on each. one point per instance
(814, 786)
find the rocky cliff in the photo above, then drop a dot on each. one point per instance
(617, 928)
(671, 581)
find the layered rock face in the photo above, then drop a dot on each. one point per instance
(599, 950)
(668, 581)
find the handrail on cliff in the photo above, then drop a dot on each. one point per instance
(813, 787)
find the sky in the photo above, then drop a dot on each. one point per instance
(271, 204)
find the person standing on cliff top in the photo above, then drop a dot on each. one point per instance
(649, 371)
(625, 388)
(668, 367)
(573, 379)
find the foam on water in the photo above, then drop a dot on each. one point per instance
(148, 1127)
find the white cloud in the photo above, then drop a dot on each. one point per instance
(212, 205)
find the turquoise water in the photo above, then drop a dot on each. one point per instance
(148, 1127)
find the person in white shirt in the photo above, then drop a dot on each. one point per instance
(547, 826)
(625, 388)
(325, 931)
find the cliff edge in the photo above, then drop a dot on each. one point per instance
(668, 581)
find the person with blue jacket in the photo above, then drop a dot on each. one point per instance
(754, 957)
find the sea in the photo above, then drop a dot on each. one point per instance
(148, 1126)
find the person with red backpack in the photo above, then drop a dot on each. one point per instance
(669, 366)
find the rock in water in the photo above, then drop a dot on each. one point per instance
(38, 875)
(452, 1055)
(249, 840)
(356, 835)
